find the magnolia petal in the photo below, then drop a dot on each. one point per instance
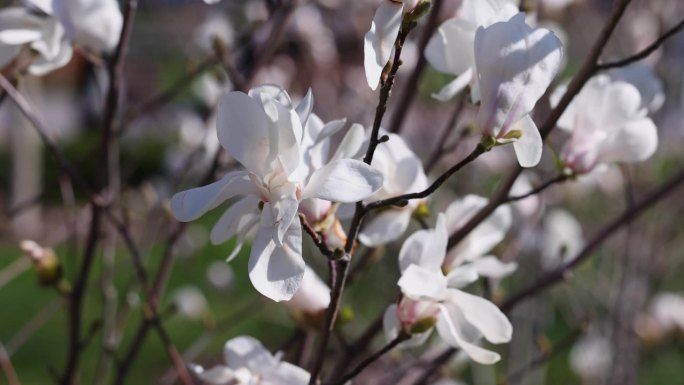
(417, 282)
(287, 374)
(386, 227)
(456, 41)
(243, 130)
(248, 352)
(305, 107)
(483, 315)
(492, 267)
(343, 180)
(451, 331)
(330, 129)
(516, 64)
(462, 276)
(352, 144)
(454, 87)
(637, 141)
(237, 221)
(425, 248)
(390, 323)
(42, 65)
(528, 148)
(379, 40)
(276, 272)
(218, 375)
(190, 204)
(284, 212)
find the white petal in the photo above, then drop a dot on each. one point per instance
(462, 276)
(239, 219)
(420, 283)
(286, 374)
(637, 141)
(425, 248)
(352, 144)
(450, 327)
(528, 148)
(246, 351)
(343, 180)
(305, 107)
(386, 227)
(284, 212)
(483, 315)
(191, 204)
(276, 272)
(379, 40)
(218, 375)
(450, 50)
(243, 130)
(454, 87)
(330, 129)
(390, 322)
(515, 64)
(492, 267)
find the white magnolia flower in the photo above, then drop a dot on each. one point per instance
(214, 26)
(619, 131)
(431, 298)
(94, 24)
(470, 255)
(562, 238)
(249, 363)
(190, 302)
(641, 76)
(378, 43)
(591, 357)
(451, 49)
(403, 173)
(263, 131)
(515, 64)
(23, 27)
(668, 310)
(50, 27)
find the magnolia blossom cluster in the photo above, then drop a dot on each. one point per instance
(49, 29)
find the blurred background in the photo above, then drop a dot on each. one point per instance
(618, 320)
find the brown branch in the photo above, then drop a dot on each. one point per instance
(340, 267)
(7, 367)
(627, 217)
(315, 237)
(434, 366)
(644, 53)
(401, 200)
(369, 360)
(409, 89)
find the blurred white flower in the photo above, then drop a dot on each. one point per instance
(263, 131)
(591, 358)
(619, 131)
(190, 302)
(249, 363)
(433, 299)
(403, 173)
(94, 24)
(220, 275)
(668, 310)
(562, 238)
(469, 254)
(214, 26)
(515, 64)
(641, 76)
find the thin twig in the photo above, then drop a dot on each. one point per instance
(446, 132)
(409, 89)
(434, 366)
(315, 237)
(401, 199)
(369, 360)
(644, 52)
(628, 216)
(7, 367)
(340, 268)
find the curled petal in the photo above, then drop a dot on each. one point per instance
(276, 272)
(483, 315)
(379, 40)
(425, 248)
(456, 332)
(343, 180)
(191, 204)
(528, 148)
(420, 283)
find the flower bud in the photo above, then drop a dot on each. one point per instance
(47, 265)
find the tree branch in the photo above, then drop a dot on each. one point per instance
(369, 360)
(557, 179)
(644, 53)
(628, 216)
